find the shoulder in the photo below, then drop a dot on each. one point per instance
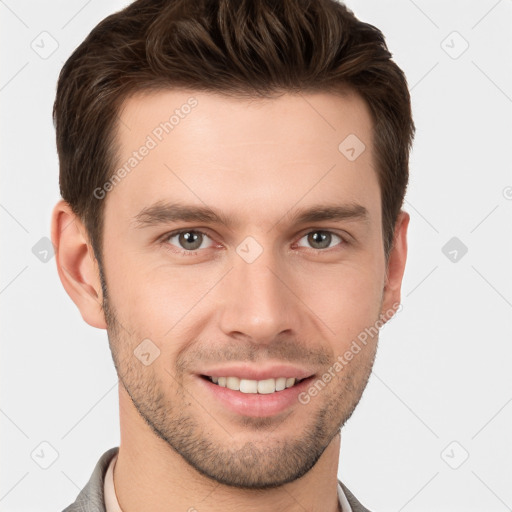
(91, 498)
(353, 501)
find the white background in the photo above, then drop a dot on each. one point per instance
(442, 373)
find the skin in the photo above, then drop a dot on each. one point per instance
(257, 162)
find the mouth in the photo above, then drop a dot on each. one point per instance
(275, 392)
(250, 386)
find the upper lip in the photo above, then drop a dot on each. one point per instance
(260, 372)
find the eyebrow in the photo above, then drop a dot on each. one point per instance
(165, 212)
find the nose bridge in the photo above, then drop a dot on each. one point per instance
(256, 301)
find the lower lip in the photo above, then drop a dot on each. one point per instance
(255, 404)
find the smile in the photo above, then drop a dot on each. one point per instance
(266, 386)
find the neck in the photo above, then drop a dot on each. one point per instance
(150, 476)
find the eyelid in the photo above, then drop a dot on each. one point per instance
(342, 234)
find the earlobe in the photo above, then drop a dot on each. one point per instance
(76, 265)
(396, 266)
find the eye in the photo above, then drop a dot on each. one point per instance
(188, 240)
(320, 239)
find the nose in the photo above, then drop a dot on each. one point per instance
(257, 300)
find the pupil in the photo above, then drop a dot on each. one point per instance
(191, 238)
(321, 236)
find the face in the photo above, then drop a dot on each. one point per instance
(243, 248)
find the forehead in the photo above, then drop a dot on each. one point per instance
(294, 118)
(266, 154)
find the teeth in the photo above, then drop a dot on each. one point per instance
(265, 386)
(248, 386)
(233, 383)
(280, 383)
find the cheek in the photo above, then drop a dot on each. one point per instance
(156, 301)
(347, 300)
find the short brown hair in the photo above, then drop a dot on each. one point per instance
(236, 47)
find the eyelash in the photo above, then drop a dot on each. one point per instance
(164, 241)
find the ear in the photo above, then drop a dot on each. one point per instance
(76, 264)
(395, 267)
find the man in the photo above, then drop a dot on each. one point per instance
(232, 175)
